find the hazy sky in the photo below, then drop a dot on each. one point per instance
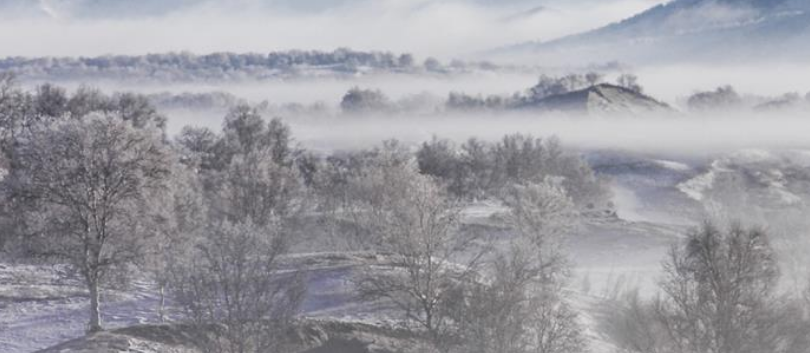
(444, 28)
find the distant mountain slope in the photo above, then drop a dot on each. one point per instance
(705, 30)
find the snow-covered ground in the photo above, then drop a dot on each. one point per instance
(41, 307)
(44, 305)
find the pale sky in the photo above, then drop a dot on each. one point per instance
(442, 28)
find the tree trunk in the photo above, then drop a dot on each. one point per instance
(162, 308)
(95, 316)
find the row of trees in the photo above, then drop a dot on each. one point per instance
(217, 66)
(359, 101)
(726, 98)
(478, 169)
(364, 101)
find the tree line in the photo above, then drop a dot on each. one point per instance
(186, 66)
(727, 99)
(360, 101)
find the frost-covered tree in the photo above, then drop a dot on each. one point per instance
(548, 86)
(440, 159)
(522, 307)
(90, 184)
(630, 82)
(232, 289)
(253, 177)
(723, 98)
(349, 184)
(256, 188)
(406, 61)
(51, 101)
(432, 65)
(179, 214)
(199, 148)
(230, 283)
(542, 214)
(358, 100)
(413, 220)
(464, 102)
(249, 171)
(594, 78)
(493, 316)
(718, 287)
(479, 169)
(719, 295)
(476, 162)
(186, 67)
(11, 102)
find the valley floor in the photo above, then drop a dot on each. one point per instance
(41, 306)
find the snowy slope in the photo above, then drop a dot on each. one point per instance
(602, 99)
(690, 30)
(761, 179)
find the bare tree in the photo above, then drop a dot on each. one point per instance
(542, 214)
(7, 97)
(554, 325)
(594, 78)
(359, 101)
(231, 288)
(718, 289)
(354, 187)
(630, 82)
(179, 215)
(550, 86)
(523, 307)
(415, 222)
(719, 296)
(230, 283)
(631, 322)
(90, 182)
(16, 112)
(255, 187)
(494, 316)
(248, 171)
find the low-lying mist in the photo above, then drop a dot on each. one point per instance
(671, 84)
(327, 90)
(682, 133)
(673, 136)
